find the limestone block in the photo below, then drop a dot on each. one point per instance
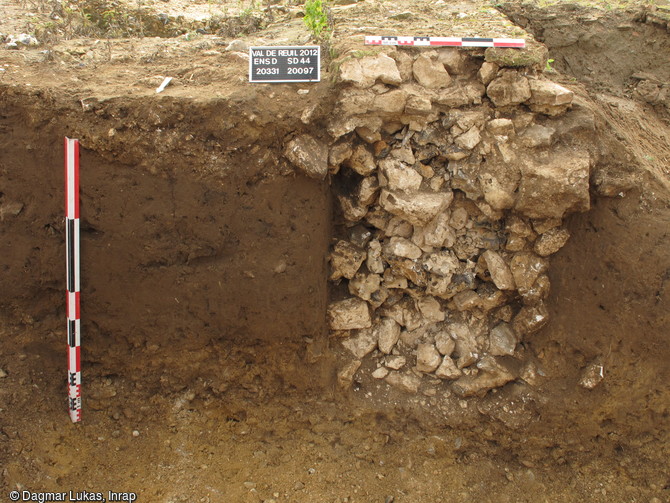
(308, 155)
(418, 209)
(427, 358)
(501, 127)
(530, 319)
(444, 343)
(554, 185)
(380, 373)
(551, 241)
(349, 314)
(487, 72)
(442, 263)
(418, 105)
(538, 292)
(364, 285)
(406, 382)
(351, 211)
(502, 340)
(537, 136)
(361, 343)
(374, 261)
(466, 344)
(453, 59)
(510, 88)
(339, 153)
(469, 139)
(345, 260)
(362, 161)
(345, 376)
(395, 362)
(399, 176)
(494, 375)
(526, 267)
(366, 71)
(548, 97)
(391, 102)
(438, 232)
(430, 73)
(401, 247)
(430, 308)
(387, 332)
(501, 275)
(448, 369)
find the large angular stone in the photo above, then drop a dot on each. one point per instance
(349, 314)
(468, 140)
(400, 176)
(427, 358)
(430, 308)
(362, 161)
(406, 382)
(364, 285)
(549, 98)
(444, 343)
(453, 59)
(554, 185)
(500, 272)
(448, 369)
(438, 232)
(345, 376)
(551, 241)
(487, 72)
(345, 260)
(442, 263)
(530, 319)
(374, 261)
(404, 313)
(339, 153)
(366, 71)
(466, 344)
(391, 102)
(510, 88)
(387, 332)
(401, 247)
(430, 73)
(502, 340)
(362, 343)
(309, 155)
(526, 267)
(494, 374)
(418, 209)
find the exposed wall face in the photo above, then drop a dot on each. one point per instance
(452, 177)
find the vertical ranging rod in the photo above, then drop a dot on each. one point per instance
(72, 274)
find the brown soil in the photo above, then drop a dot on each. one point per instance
(204, 292)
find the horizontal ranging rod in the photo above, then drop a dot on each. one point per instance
(518, 43)
(72, 272)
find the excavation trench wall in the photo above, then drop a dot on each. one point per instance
(451, 172)
(409, 213)
(190, 230)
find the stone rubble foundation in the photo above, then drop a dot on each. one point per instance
(452, 174)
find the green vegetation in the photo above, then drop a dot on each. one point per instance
(317, 20)
(547, 66)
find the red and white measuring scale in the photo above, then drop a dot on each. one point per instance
(72, 274)
(518, 43)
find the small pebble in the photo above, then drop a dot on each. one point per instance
(2, 374)
(136, 433)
